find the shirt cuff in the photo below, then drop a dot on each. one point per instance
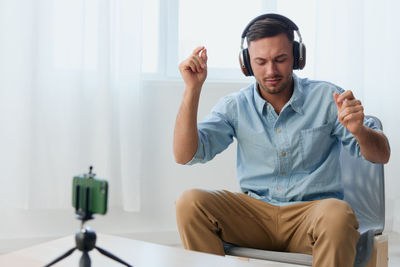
(198, 156)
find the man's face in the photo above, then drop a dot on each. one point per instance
(271, 59)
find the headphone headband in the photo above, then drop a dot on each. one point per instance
(284, 19)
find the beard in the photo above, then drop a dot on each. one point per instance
(275, 89)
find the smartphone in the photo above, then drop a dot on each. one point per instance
(89, 195)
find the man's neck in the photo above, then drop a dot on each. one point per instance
(278, 101)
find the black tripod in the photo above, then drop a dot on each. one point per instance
(85, 238)
(85, 241)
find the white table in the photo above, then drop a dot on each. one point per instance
(136, 253)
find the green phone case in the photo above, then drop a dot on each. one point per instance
(97, 198)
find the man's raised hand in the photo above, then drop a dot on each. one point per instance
(350, 111)
(194, 68)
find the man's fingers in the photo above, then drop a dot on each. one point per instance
(198, 61)
(351, 103)
(192, 66)
(352, 117)
(350, 110)
(193, 63)
(335, 97)
(347, 95)
(188, 65)
(345, 99)
(201, 53)
(204, 56)
(197, 50)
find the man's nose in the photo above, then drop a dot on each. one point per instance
(270, 69)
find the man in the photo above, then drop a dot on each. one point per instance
(289, 131)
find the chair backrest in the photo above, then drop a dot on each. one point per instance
(364, 189)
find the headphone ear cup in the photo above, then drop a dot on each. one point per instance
(298, 64)
(244, 60)
(302, 62)
(296, 55)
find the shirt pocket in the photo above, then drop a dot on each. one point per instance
(315, 146)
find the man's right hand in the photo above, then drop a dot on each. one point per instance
(194, 68)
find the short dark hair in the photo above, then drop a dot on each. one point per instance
(268, 28)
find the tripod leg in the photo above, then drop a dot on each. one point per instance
(85, 260)
(66, 254)
(108, 254)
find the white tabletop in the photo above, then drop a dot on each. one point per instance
(136, 253)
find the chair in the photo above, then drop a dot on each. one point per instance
(364, 190)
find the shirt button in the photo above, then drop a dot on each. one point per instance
(283, 173)
(268, 107)
(279, 188)
(283, 154)
(278, 130)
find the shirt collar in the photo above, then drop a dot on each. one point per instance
(259, 101)
(296, 101)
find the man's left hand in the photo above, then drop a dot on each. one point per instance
(350, 111)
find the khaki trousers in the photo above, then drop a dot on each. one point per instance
(327, 229)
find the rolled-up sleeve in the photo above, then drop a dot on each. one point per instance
(216, 132)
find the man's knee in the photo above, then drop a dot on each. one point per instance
(337, 219)
(189, 202)
(338, 211)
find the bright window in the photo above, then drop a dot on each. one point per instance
(150, 36)
(217, 25)
(173, 28)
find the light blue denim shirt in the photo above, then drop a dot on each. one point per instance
(283, 159)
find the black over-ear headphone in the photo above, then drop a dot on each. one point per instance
(299, 49)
